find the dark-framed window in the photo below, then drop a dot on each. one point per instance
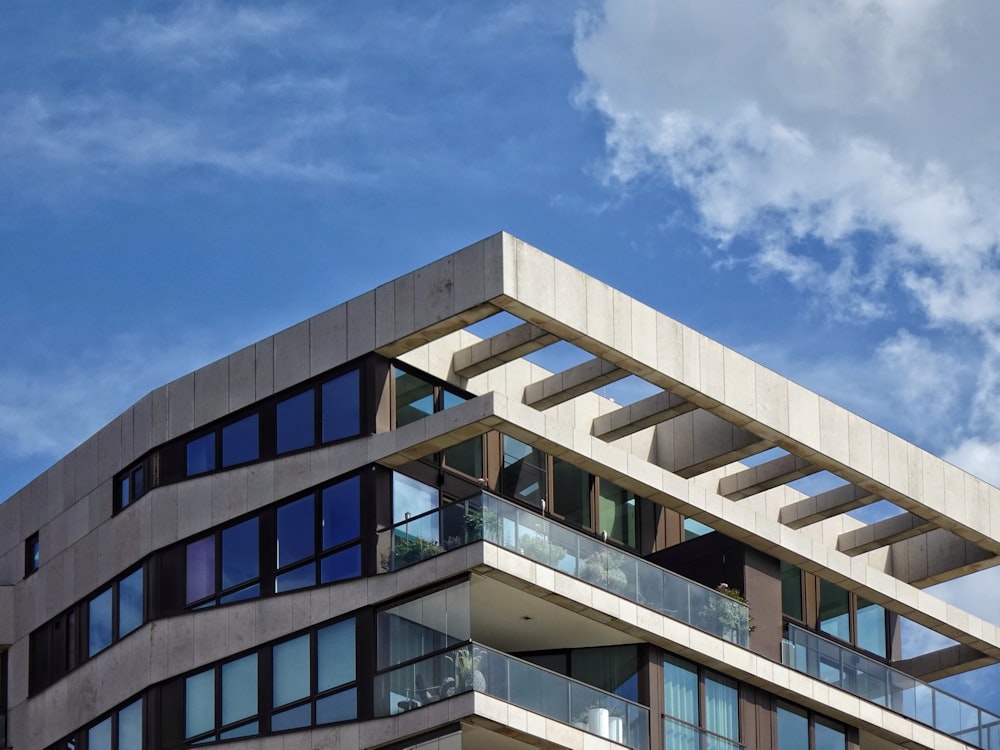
(32, 554)
(3, 698)
(327, 408)
(798, 729)
(124, 728)
(418, 395)
(87, 628)
(695, 699)
(224, 566)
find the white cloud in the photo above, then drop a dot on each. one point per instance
(852, 146)
(199, 33)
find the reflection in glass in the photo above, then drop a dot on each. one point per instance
(342, 512)
(680, 689)
(523, 474)
(424, 625)
(293, 718)
(296, 537)
(793, 729)
(791, 590)
(337, 707)
(828, 736)
(200, 569)
(570, 492)
(130, 603)
(410, 498)
(339, 566)
(199, 703)
(291, 670)
(99, 621)
(414, 398)
(296, 426)
(466, 457)
(240, 441)
(130, 727)
(201, 455)
(335, 654)
(616, 512)
(240, 552)
(721, 706)
(834, 610)
(871, 627)
(341, 407)
(99, 736)
(239, 689)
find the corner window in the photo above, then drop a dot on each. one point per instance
(852, 619)
(418, 397)
(32, 557)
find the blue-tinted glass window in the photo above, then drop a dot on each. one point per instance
(240, 553)
(449, 399)
(834, 610)
(239, 689)
(130, 603)
(296, 422)
(32, 556)
(296, 578)
(335, 655)
(99, 622)
(292, 718)
(414, 398)
(411, 498)
(829, 736)
(793, 729)
(340, 566)
(722, 709)
(199, 703)
(138, 482)
(99, 736)
(871, 627)
(341, 407)
(124, 487)
(291, 670)
(240, 441)
(130, 727)
(200, 569)
(680, 690)
(296, 533)
(201, 454)
(337, 707)
(341, 512)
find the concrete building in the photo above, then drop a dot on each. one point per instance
(376, 529)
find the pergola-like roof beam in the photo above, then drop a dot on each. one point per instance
(825, 505)
(569, 384)
(497, 350)
(882, 533)
(642, 414)
(765, 476)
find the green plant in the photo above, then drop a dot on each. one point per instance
(605, 569)
(467, 661)
(732, 617)
(407, 551)
(541, 549)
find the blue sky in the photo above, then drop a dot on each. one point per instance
(812, 183)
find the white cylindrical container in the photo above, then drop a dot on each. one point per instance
(617, 730)
(598, 720)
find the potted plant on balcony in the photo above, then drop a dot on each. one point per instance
(733, 619)
(409, 550)
(467, 661)
(542, 550)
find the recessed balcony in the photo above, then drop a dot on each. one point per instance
(485, 517)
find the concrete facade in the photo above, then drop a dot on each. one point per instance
(716, 446)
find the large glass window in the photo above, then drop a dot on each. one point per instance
(201, 455)
(99, 619)
(130, 614)
(695, 697)
(794, 730)
(341, 407)
(235, 715)
(523, 472)
(31, 554)
(414, 398)
(570, 492)
(120, 730)
(425, 625)
(791, 591)
(225, 565)
(296, 422)
(240, 442)
(411, 498)
(871, 629)
(834, 610)
(240, 555)
(617, 513)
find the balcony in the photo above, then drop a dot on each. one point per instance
(486, 517)
(473, 667)
(874, 681)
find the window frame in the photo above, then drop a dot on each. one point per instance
(32, 554)
(701, 674)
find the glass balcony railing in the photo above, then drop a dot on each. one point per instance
(679, 735)
(476, 668)
(874, 681)
(487, 517)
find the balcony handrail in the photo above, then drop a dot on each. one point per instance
(888, 687)
(486, 517)
(437, 677)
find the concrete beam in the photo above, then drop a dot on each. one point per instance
(569, 384)
(500, 349)
(825, 505)
(937, 556)
(945, 662)
(765, 476)
(699, 441)
(642, 414)
(882, 533)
